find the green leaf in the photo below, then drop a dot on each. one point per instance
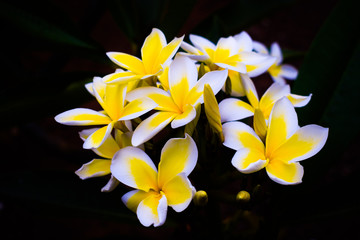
(327, 59)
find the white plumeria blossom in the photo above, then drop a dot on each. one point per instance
(156, 189)
(177, 105)
(156, 54)
(233, 53)
(112, 100)
(285, 145)
(278, 71)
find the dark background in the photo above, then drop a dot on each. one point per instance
(49, 49)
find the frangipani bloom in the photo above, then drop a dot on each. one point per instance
(278, 72)
(112, 100)
(157, 189)
(155, 56)
(177, 106)
(234, 53)
(234, 109)
(101, 166)
(286, 144)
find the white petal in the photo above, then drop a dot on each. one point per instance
(151, 126)
(201, 43)
(244, 41)
(234, 109)
(275, 51)
(149, 213)
(260, 48)
(82, 116)
(134, 168)
(288, 72)
(110, 185)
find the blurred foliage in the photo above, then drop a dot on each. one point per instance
(330, 71)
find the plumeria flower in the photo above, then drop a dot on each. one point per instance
(176, 106)
(101, 166)
(234, 53)
(155, 56)
(286, 144)
(278, 71)
(112, 100)
(234, 109)
(155, 190)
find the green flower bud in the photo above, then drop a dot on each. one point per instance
(200, 198)
(243, 196)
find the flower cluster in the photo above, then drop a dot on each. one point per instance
(170, 87)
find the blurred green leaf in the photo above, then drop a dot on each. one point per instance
(327, 59)
(331, 72)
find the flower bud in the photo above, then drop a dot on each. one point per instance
(200, 198)
(243, 196)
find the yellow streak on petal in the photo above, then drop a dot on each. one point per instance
(152, 203)
(178, 155)
(133, 202)
(136, 108)
(151, 49)
(167, 53)
(97, 137)
(178, 191)
(179, 91)
(275, 70)
(244, 157)
(145, 177)
(290, 173)
(94, 168)
(276, 134)
(250, 141)
(82, 117)
(128, 61)
(164, 116)
(221, 55)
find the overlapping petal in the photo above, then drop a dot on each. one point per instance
(304, 143)
(234, 109)
(137, 108)
(239, 135)
(133, 167)
(159, 96)
(249, 160)
(97, 138)
(151, 126)
(188, 114)
(133, 198)
(94, 168)
(182, 77)
(82, 116)
(283, 123)
(285, 173)
(107, 149)
(178, 155)
(127, 61)
(179, 192)
(152, 210)
(216, 79)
